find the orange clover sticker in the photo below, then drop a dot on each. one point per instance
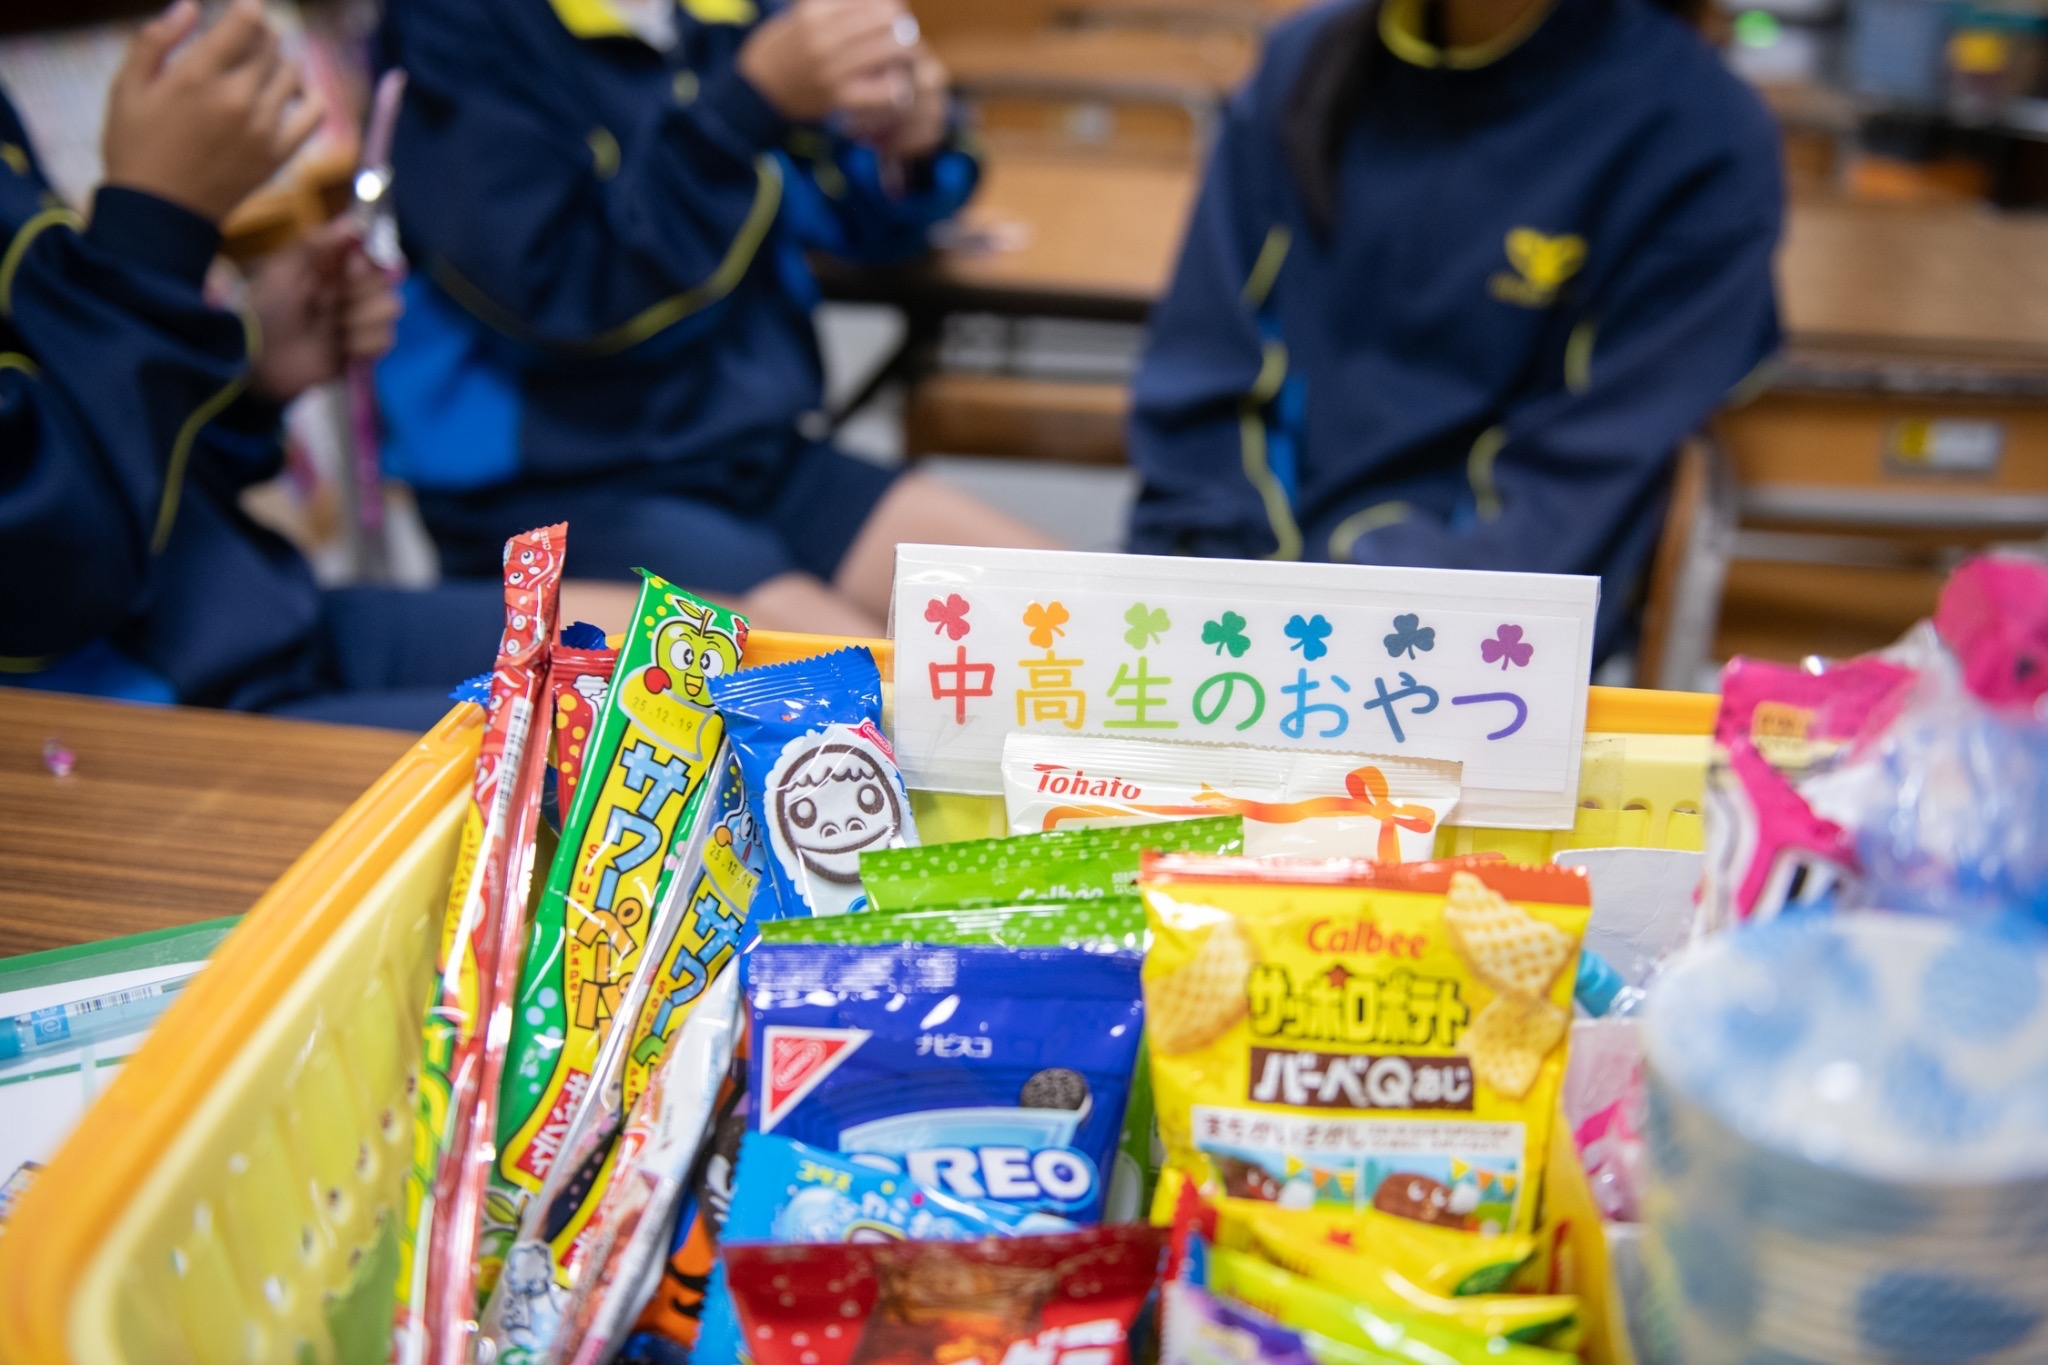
(1047, 622)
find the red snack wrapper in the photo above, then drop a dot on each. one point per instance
(1066, 1299)
(581, 678)
(478, 966)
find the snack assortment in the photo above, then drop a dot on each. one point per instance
(760, 1079)
(780, 1084)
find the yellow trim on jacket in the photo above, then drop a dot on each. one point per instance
(654, 319)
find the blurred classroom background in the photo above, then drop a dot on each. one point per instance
(1905, 423)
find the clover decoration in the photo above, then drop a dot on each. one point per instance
(949, 616)
(1227, 632)
(1046, 622)
(1147, 625)
(1409, 635)
(1507, 647)
(1309, 635)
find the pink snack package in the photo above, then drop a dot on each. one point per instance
(1779, 729)
(1994, 615)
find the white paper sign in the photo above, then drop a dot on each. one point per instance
(1486, 668)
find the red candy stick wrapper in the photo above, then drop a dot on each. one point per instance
(468, 1022)
(581, 679)
(1065, 1299)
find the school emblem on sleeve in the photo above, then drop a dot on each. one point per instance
(1542, 264)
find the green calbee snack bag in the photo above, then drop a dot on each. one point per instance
(656, 742)
(1061, 865)
(1105, 923)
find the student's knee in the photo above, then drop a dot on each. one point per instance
(800, 602)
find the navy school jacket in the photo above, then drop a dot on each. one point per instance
(607, 243)
(124, 442)
(1545, 270)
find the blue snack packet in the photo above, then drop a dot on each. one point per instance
(789, 1191)
(987, 1073)
(821, 777)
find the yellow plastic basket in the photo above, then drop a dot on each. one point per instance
(230, 1197)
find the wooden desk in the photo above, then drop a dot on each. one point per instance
(170, 815)
(1963, 284)
(1050, 235)
(1108, 62)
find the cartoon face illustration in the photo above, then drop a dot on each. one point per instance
(531, 1300)
(687, 650)
(831, 802)
(1247, 1179)
(1419, 1198)
(737, 833)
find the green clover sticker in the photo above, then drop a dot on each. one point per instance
(1147, 624)
(1227, 632)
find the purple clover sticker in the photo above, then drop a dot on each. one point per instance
(1506, 647)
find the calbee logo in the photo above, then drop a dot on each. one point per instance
(1542, 264)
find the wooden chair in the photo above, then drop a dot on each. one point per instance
(1683, 601)
(1052, 420)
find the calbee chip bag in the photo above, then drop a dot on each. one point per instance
(1346, 1035)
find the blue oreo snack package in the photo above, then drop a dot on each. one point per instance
(984, 1072)
(821, 777)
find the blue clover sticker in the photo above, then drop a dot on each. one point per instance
(1409, 635)
(1308, 635)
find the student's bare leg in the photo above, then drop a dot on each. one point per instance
(603, 603)
(799, 602)
(919, 509)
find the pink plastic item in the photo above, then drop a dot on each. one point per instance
(1994, 615)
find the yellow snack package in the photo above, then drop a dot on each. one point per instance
(1345, 1035)
(1357, 1269)
(1308, 1307)
(1440, 1260)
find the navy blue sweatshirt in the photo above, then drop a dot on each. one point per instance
(1545, 268)
(608, 243)
(124, 442)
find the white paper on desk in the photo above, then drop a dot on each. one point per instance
(1489, 669)
(43, 1100)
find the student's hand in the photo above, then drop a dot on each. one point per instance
(916, 130)
(204, 126)
(820, 57)
(319, 303)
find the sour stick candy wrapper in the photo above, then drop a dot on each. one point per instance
(1347, 1035)
(655, 747)
(820, 772)
(1066, 1299)
(699, 924)
(1294, 804)
(485, 914)
(582, 675)
(628, 1236)
(1322, 1314)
